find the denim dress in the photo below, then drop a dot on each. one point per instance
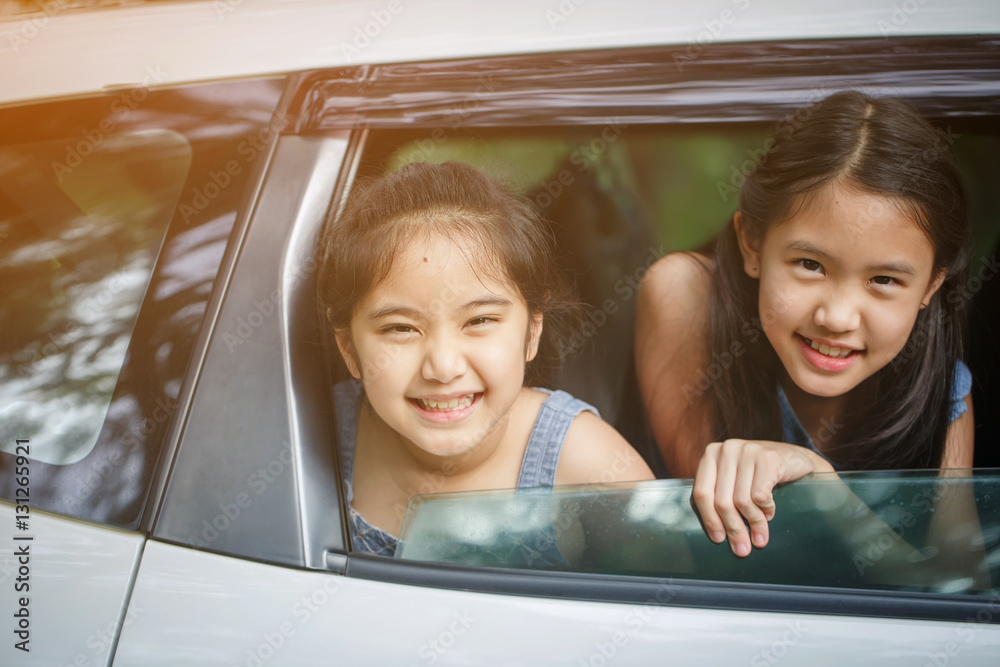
(795, 434)
(538, 467)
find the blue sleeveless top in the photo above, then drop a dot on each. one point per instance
(795, 434)
(538, 467)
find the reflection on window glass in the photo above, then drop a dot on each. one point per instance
(79, 236)
(915, 532)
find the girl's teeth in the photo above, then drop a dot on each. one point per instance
(453, 404)
(829, 351)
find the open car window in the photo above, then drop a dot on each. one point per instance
(618, 196)
(862, 531)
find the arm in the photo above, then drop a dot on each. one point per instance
(958, 446)
(672, 329)
(955, 517)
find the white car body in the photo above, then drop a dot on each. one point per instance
(101, 595)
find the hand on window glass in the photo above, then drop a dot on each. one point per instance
(734, 482)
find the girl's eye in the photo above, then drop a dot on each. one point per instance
(479, 321)
(884, 280)
(811, 265)
(398, 328)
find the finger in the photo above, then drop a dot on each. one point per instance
(703, 494)
(746, 496)
(725, 505)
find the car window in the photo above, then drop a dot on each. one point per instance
(617, 199)
(630, 157)
(80, 243)
(861, 530)
(115, 213)
(618, 195)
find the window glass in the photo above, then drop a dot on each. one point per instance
(913, 532)
(80, 234)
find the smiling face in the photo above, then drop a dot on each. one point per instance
(841, 284)
(441, 348)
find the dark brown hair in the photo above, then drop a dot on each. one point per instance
(880, 146)
(463, 204)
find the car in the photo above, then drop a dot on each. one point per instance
(169, 487)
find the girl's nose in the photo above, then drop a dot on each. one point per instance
(838, 312)
(444, 360)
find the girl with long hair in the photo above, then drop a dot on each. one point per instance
(825, 331)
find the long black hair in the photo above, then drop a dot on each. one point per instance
(881, 146)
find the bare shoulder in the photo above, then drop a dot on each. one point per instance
(594, 452)
(672, 315)
(680, 281)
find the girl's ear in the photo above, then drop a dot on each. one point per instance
(933, 287)
(346, 348)
(534, 336)
(749, 247)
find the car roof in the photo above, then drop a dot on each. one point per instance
(56, 53)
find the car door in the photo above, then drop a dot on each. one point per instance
(248, 562)
(115, 211)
